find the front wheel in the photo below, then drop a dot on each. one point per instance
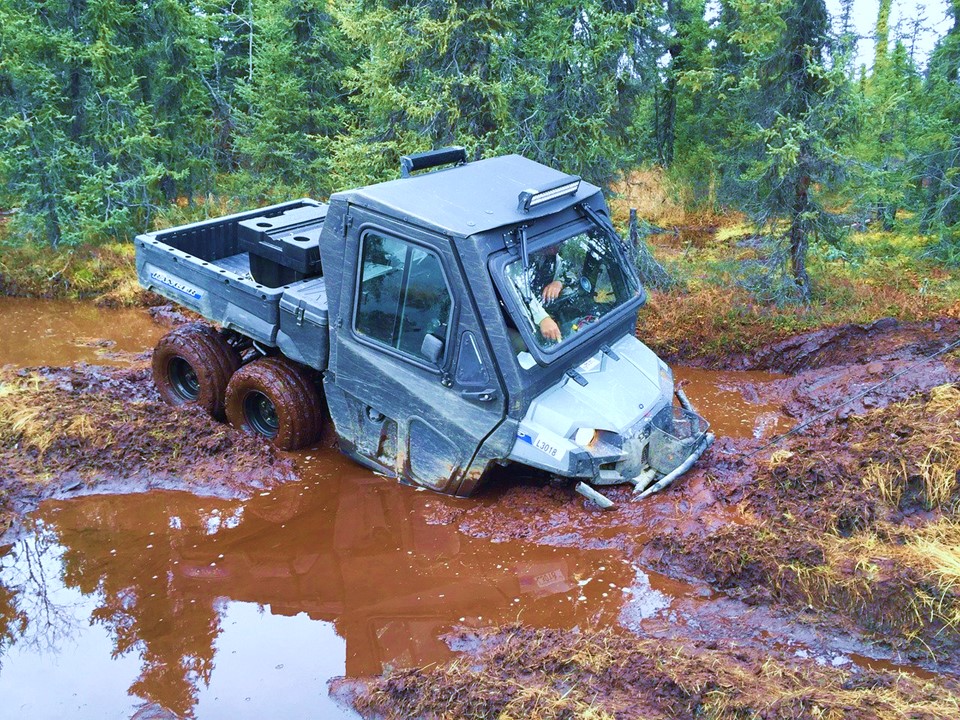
(277, 400)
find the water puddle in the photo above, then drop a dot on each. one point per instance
(59, 332)
(894, 668)
(115, 606)
(201, 605)
(730, 402)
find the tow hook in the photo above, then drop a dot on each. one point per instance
(598, 498)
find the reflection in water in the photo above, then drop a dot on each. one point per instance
(33, 611)
(13, 620)
(342, 547)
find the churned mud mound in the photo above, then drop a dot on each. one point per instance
(87, 428)
(862, 519)
(886, 340)
(519, 672)
(849, 527)
(172, 315)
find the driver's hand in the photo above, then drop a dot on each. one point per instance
(550, 330)
(552, 291)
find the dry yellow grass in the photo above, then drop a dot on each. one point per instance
(778, 457)
(548, 703)
(874, 537)
(647, 191)
(50, 428)
(929, 454)
(906, 577)
(22, 420)
(902, 580)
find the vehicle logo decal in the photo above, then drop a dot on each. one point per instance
(176, 284)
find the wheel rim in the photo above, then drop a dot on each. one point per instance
(261, 414)
(183, 379)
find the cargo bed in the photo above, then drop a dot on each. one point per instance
(203, 266)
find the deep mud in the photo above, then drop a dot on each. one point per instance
(822, 539)
(87, 428)
(795, 580)
(886, 339)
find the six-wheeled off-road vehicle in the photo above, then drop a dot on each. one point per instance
(466, 315)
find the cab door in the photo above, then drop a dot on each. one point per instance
(414, 390)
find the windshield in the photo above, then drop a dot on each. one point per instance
(570, 285)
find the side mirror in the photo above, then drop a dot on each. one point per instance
(432, 348)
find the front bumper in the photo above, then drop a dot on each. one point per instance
(656, 452)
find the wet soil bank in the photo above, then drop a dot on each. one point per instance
(85, 428)
(518, 672)
(844, 536)
(884, 339)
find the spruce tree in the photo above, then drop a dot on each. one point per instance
(940, 142)
(792, 112)
(291, 102)
(105, 109)
(552, 80)
(685, 38)
(38, 157)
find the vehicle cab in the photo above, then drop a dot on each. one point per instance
(485, 314)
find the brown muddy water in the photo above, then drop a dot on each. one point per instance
(728, 400)
(119, 606)
(221, 608)
(59, 332)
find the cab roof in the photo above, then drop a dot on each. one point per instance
(467, 199)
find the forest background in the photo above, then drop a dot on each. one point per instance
(749, 132)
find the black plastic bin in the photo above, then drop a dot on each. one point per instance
(284, 246)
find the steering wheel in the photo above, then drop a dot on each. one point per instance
(564, 304)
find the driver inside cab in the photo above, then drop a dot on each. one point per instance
(545, 276)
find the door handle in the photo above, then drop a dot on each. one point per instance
(485, 395)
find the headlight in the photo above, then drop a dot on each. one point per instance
(666, 376)
(584, 436)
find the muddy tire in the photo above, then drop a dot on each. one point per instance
(278, 400)
(192, 365)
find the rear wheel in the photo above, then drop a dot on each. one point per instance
(192, 365)
(278, 400)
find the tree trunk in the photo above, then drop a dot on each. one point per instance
(75, 11)
(679, 19)
(799, 239)
(52, 222)
(931, 187)
(667, 115)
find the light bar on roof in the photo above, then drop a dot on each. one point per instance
(557, 189)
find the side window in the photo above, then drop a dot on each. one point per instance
(403, 296)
